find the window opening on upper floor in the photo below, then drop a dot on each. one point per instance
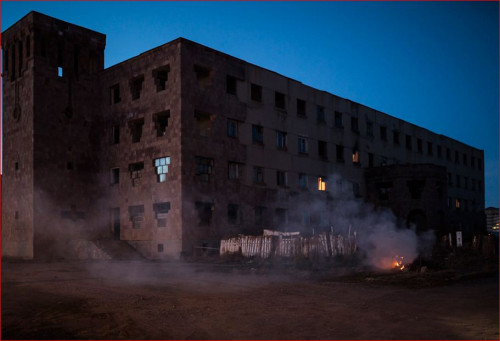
(301, 107)
(279, 100)
(136, 86)
(204, 167)
(321, 183)
(232, 128)
(256, 92)
(115, 134)
(383, 133)
(136, 215)
(233, 214)
(257, 134)
(281, 178)
(302, 145)
(281, 140)
(231, 85)
(320, 114)
(234, 170)
(161, 122)
(161, 164)
(114, 93)
(160, 76)
(203, 76)
(135, 127)
(115, 176)
(204, 122)
(161, 213)
(205, 210)
(322, 150)
(135, 170)
(354, 125)
(338, 119)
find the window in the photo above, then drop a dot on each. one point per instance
(256, 92)
(257, 134)
(136, 87)
(258, 175)
(60, 72)
(204, 167)
(114, 92)
(161, 165)
(430, 149)
(395, 137)
(338, 119)
(408, 142)
(234, 170)
(384, 189)
(281, 215)
(458, 203)
(135, 170)
(135, 127)
(231, 85)
(115, 176)
(321, 183)
(203, 76)
(281, 178)
(259, 215)
(136, 215)
(232, 128)
(355, 157)
(320, 114)
(339, 149)
(457, 157)
(281, 140)
(465, 159)
(204, 122)
(369, 128)
(204, 210)
(354, 124)
(419, 146)
(160, 247)
(20, 51)
(161, 212)
(301, 107)
(302, 145)
(370, 160)
(160, 76)
(473, 162)
(161, 122)
(279, 100)
(115, 134)
(322, 150)
(439, 151)
(233, 214)
(302, 180)
(383, 133)
(448, 154)
(16, 166)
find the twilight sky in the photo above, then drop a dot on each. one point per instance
(434, 64)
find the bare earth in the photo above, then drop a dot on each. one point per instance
(134, 300)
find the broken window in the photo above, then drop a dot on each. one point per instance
(302, 180)
(321, 183)
(280, 139)
(234, 169)
(369, 128)
(257, 134)
(115, 176)
(135, 127)
(384, 189)
(339, 149)
(416, 187)
(408, 142)
(419, 146)
(115, 134)
(320, 114)
(160, 76)
(232, 128)
(136, 86)
(231, 85)
(114, 93)
(354, 124)
(233, 214)
(204, 122)
(161, 165)
(135, 170)
(259, 215)
(395, 137)
(338, 119)
(136, 215)
(429, 148)
(258, 175)
(322, 151)
(256, 92)
(383, 133)
(302, 144)
(203, 76)
(161, 212)
(279, 100)
(281, 178)
(355, 157)
(161, 122)
(281, 215)
(204, 210)
(204, 167)
(301, 107)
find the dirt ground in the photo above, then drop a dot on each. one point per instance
(147, 300)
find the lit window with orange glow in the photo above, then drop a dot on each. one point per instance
(457, 204)
(355, 156)
(321, 184)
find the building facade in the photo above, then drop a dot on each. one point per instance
(182, 145)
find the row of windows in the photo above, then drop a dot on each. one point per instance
(10, 60)
(460, 204)
(463, 181)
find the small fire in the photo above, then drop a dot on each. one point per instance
(398, 262)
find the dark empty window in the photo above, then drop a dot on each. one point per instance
(231, 85)
(279, 100)
(204, 210)
(338, 119)
(115, 176)
(259, 215)
(448, 154)
(204, 122)
(233, 170)
(439, 151)
(301, 107)
(136, 87)
(135, 127)
(115, 134)
(20, 51)
(136, 214)
(257, 134)
(280, 139)
(69, 165)
(473, 162)
(479, 164)
(16, 166)
(354, 124)
(429, 148)
(161, 122)
(233, 214)
(465, 159)
(457, 157)
(302, 145)
(256, 92)
(258, 175)
(395, 137)
(114, 92)
(322, 151)
(161, 213)
(204, 166)
(408, 142)
(419, 146)
(203, 76)
(160, 76)
(281, 178)
(232, 128)
(383, 133)
(369, 128)
(320, 114)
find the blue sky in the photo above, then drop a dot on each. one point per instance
(434, 64)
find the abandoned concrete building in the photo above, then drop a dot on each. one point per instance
(182, 145)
